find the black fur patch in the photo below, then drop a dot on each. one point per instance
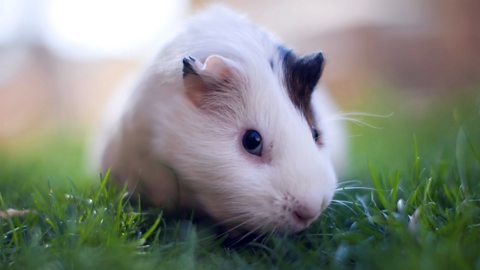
(301, 76)
(188, 66)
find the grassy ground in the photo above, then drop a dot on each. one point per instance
(410, 200)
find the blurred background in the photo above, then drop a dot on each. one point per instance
(61, 60)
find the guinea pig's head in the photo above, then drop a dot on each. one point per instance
(253, 157)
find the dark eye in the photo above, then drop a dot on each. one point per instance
(315, 134)
(252, 142)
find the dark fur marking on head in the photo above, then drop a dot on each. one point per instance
(188, 66)
(301, 76)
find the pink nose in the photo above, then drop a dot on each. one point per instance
(304, 214)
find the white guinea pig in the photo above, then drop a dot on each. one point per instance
(229, 123)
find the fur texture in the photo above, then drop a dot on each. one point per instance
(177, 140)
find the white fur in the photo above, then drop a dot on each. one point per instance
(160, 128)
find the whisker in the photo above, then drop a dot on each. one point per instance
(235, 227)
(234, 218)
(258, 237)
(348, 116)
(272, 232)
(374, 115)
(264, 246)
(247, 234)
(355, 121)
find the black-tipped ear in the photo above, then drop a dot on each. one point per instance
(308, 70)
(301, 76)
(188, 66)
(216, 67)
(216, 72)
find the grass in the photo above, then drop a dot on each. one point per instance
(410, 200)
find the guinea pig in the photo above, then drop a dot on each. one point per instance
(227, 122)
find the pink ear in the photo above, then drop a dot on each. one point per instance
(201, 78)
(218, 67)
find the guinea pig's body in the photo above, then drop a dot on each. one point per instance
(227, 122)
